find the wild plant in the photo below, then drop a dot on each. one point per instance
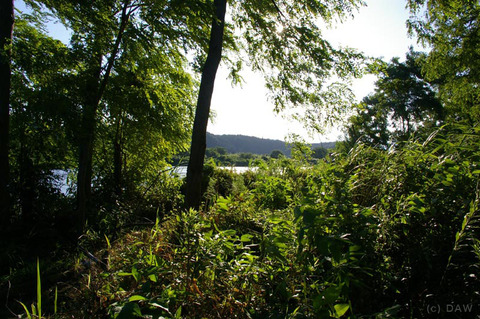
(36, 307)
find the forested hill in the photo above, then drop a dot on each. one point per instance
(254, 145)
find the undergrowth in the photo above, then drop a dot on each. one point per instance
(369, 234)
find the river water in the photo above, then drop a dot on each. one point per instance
(62, 176)
(182, 170)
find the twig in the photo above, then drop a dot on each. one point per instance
(278, 9)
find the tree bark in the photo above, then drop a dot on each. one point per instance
(198, 146)
(6, 31)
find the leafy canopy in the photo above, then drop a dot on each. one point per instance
(403, 102)
(452, 29)
(283, 40)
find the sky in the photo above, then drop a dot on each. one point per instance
(378, 30)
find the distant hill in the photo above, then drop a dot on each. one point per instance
(254, 145)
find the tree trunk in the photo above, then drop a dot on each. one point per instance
(6, 30)
(86, 140)
(117, 159)
(94, 93)
(27, 185)
(197, 150)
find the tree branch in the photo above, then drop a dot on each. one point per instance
(278, 9)
(123, 24)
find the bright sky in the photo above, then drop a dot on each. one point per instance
(378, 30)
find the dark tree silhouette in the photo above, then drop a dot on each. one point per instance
(6, 30)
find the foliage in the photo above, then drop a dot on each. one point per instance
(121, 47)
(403, 103)
(223, 158)
(410, 99)
(397, 226)
(320, 152)
(276, 154)
(41, 121)
(283, 40)
(37, 308)
(450, 29)
(394, 223)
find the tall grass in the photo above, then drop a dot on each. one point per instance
(36, 307)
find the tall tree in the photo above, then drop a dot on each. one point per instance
(101, 33)
(42, 117)
(202, 113)
(403, 102)
(97, 82)
(6, 31)
(281, 40)
(370, 124)
(408, 98)
(98, 29)
(451, 28)
(150, 120)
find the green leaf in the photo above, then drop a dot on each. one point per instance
(178, 313)
(341, 309)
(130, 310)
(39, 290)
(55, 302)
(246, 238)
(280, 242)
(327, 297)
(332, 293)
(135, 274)
(152, 278)
(222, 206)
(29, 316)
(309, 216)
(229, 232)
(108, 241)
(354, 248)
(136, 298)
(124, 274)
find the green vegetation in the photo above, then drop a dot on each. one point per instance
(403, 103)
(386, 225)
(246, 144)
(221, 157)
(397, 227)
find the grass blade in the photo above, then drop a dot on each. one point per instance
(29, 316)
(39, 291)
(55, 302)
